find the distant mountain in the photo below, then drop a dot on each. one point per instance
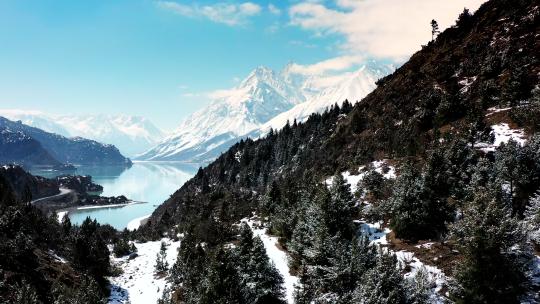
(30, 146)
(17, 147)
(131, 134)
(353, 87)
(264, 99)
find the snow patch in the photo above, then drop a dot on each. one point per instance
(503, 134)
(136, 223)
(353, 179)
(138, 283)
(435, 274)
(277, 256)
(374, 232)
(57, 257)
(61, 215)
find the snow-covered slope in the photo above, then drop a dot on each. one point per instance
(354, 86)
(263, 100)
(232, 113)
(130, 134)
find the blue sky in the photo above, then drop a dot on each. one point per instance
(146, 57)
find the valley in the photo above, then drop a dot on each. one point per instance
(409, 179)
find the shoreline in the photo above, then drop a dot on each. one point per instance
(135, 223)
(67, 211)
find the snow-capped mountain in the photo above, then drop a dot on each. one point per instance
(130, 134)
(352, 86)
(264, 100)
(233, 113)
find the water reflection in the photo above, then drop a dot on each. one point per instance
(144, 181)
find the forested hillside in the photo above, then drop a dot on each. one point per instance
(44, 261)
(459, 185)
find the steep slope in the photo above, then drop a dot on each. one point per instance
(265, 99)
(76, 150)
(425, 119)
(353, 87)
(43, 261)
(233, 113)
(24, 184)
(487, 60)
(17, 147)
(130, 134)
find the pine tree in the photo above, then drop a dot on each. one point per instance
(434, 29)
(260, 280)
(418, 287)
(190, 268)
(416, 211)
(26, 294)
(512, 173)
(341, 212)
(493, 245)
(165, 296)
(532, 218)
(382, 284)
(161, 259)
(220, 283)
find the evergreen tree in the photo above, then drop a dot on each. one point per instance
(260, 280)
(220, 283)
(493, 243)
(372, 184)
(512, 173)
(165, 297)
(382, 284)
(90, 251)
(161, 259)
(416, 212)
(418, 287)
(434, 29)
(26, 294)
(532, 219)
(341, 212)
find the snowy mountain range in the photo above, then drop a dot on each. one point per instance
(265, 99)
(130, 134)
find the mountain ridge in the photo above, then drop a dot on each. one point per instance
(55, 149)
(130, 134)
(264, 99)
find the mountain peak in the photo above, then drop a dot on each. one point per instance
(264, 98)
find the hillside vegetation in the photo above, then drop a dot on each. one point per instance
(432, 120)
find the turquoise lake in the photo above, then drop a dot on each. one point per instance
(148, 182)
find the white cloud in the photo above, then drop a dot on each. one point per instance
(331, 65)
(274, 9)
(380, 28)
(226, 13)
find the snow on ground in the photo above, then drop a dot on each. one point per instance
(135, 223)
(494, 110)
(374, 232)
(277, 256)
(353, 179)
(377, 236)
(57, 257)
(435, 274)
(466, 83)
(138, 283)
(107, 206)
(61, 215)
(503, 133)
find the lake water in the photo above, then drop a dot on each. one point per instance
(148, 182)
